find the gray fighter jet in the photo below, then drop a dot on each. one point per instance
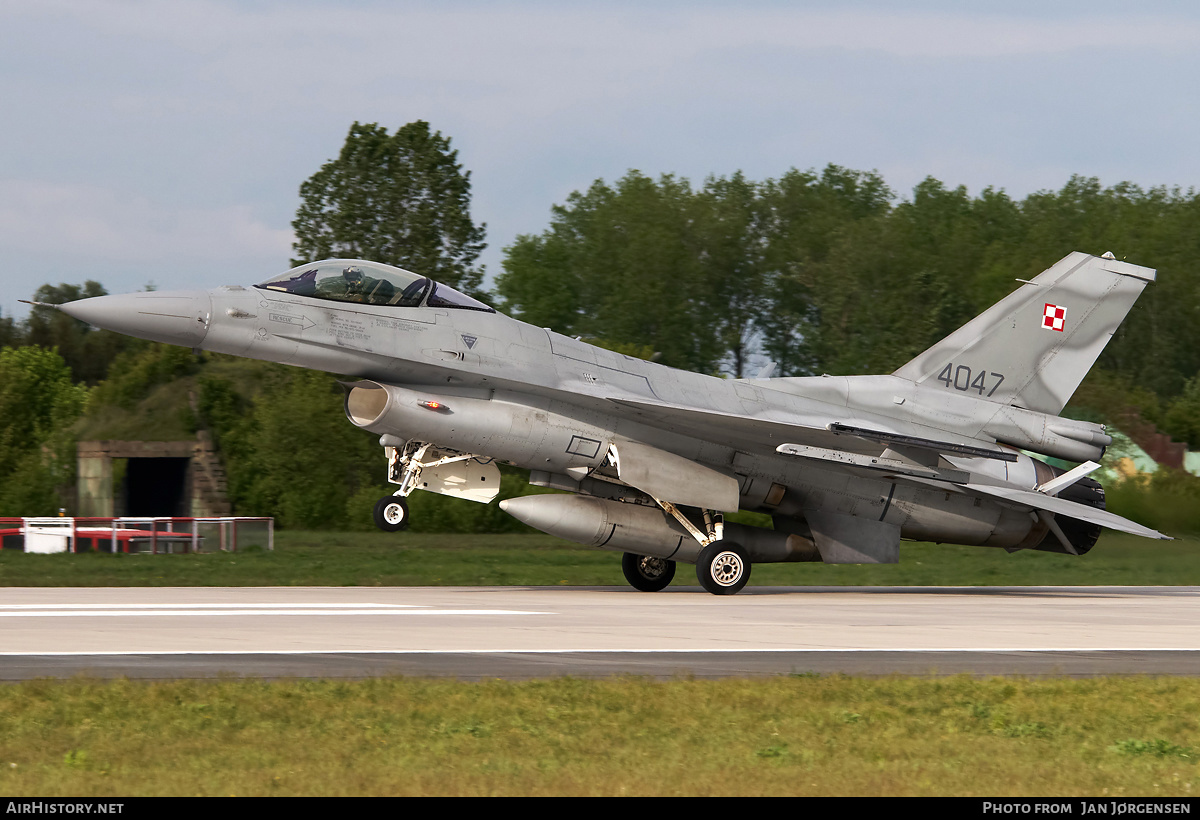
(847, 466)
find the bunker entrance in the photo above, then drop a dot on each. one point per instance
(156, 486)
(176, 479)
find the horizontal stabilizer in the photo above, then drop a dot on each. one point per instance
(1071, 509)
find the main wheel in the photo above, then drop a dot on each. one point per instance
(723, 568)
(391, 514)
(647, 573)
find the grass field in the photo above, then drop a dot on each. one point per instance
(383, 559)
(780, 736)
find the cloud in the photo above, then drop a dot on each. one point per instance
(620, 30)
(109, 226)
(145, 132)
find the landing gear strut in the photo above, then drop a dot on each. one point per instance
(404, 468)
(722, 567)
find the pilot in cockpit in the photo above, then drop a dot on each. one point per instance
(344, 280)
(354, 282)
(354, 286)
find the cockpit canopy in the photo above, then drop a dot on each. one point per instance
(369, 283)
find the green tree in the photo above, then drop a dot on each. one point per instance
(38, 401)
(703, 277)
(1182, 418)
(806, 215)
(11, 333)
(621, 265)
(401, 198)
(135, 372)
(302, 486)
(730, 226)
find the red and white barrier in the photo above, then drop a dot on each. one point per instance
(129, 534)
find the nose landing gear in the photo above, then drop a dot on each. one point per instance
(391, 514)
(418, 465)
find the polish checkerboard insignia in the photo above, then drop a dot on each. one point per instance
(1054, 317)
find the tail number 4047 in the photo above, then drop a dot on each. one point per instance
(960, 377)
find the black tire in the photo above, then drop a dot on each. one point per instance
(391, 514)
(723, 568)
(646, 573)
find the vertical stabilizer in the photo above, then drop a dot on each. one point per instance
(1033, 347)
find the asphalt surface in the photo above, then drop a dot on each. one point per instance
(524, 632)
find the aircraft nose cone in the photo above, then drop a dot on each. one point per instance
(177, 317)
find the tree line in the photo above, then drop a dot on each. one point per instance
(829, 272)
(818, 271)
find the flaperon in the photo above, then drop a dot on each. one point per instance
(847, 466)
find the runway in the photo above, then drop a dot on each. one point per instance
(524, 632)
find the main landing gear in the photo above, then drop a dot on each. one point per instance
(723, 568)
(646, 573)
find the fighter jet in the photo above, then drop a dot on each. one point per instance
(652, 458)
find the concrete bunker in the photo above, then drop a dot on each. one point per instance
(150, 478)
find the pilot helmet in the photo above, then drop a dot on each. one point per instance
(353, 276)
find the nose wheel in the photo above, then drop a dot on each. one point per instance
(391, 514)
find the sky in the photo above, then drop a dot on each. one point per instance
(164, 143)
